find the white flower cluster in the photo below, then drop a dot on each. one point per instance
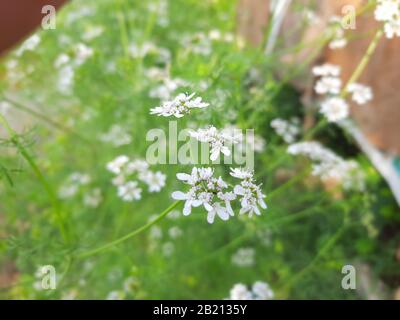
(93, 198)
(287, 129)
(29, 44)
(67, 65)
(254, 142)
(72, 184)
(329, 166)
(125, 170)
(334, 107)
(210, 192)
(360, 94)
(219, 141)
(117, 136)
(168, 86)
(259, 291)
(179, 106)
(244, 257)
(388, 11)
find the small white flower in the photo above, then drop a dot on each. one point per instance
(117, 136)
(61, 60)
(155, 233)
(240, 292)
(4, 107)
(117, 164)
(244, 257)
(168, 249)
(328, 84)
(287, 129)
(250, 194)
(387, 9)
(179, 106)
(241, 173)
(82, 53)
(217, 140)
(93, 198)
(262, 291)
(360, 93)
(175, 232)
(130, 191)
(335, 109)
(115, 295)
(92, 33)
(329, 166)
(154, 180)
(326, 70)
(29, 44)
(338, 43)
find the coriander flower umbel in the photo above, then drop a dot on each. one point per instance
(326, 70)
(388, 11)
(329, 166)
(214, 195)
(218, 140)
(328, 84)
(206, 191)
(130, 191)
(335, 109)
(179, 106)
(360, 93)
(128, 174)
(251, 194)
(259, 291)
(287, 129)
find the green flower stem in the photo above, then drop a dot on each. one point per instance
(321, 253)
(135, 232)
(25, 154)
(364, 61)
(44, 118)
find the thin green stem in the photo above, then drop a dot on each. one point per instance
(321, 253)
(131, 234)
(364, 61)
(38, 115)
(25, 154)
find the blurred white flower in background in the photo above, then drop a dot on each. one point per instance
(259, 291)
(29, 44)
(244, 257)
(287, 129)
(129, 172)
(335, 109)
(4, 107)
(329, 166)
(328, 84)
(326, 70)
(117, 136)
(360, 93)
(93, 198)
(130, 191)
